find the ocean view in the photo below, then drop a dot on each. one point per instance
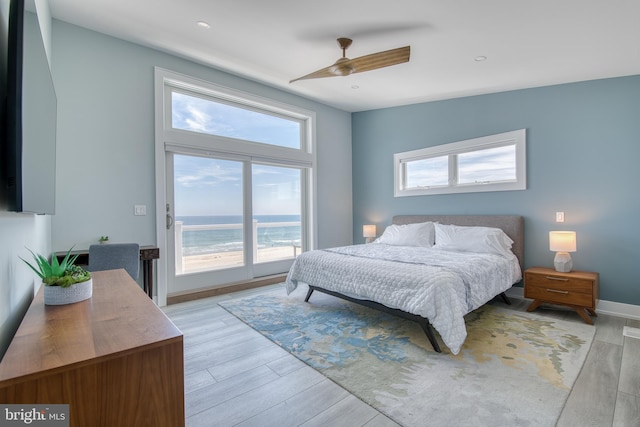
(198, 242)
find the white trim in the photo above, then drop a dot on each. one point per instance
(628, 311)
(630, 332)
(161, 201)
(261, 156)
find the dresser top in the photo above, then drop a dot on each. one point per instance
(589, 275)
(117, 319)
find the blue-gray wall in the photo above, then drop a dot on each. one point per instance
(583, 149)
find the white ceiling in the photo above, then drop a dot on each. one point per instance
(527, 43)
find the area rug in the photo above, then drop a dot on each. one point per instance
(514, 369)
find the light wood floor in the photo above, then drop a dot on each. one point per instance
(236, 377)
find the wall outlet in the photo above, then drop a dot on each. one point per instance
(140, 210)
(559, 216)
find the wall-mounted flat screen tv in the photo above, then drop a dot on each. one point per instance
(29, 137)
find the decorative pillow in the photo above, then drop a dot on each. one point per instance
(473, 239)
(419, 234)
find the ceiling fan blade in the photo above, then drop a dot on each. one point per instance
(381, 59)
(325, 72)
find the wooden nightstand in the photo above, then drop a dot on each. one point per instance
(577, 289)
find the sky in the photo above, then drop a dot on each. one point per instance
(205, 186)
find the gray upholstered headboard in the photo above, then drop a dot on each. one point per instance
(512, 225)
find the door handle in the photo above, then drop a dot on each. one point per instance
(169, 219)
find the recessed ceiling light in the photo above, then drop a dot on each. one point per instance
(203, 24)
(480, 58)
(355, 87)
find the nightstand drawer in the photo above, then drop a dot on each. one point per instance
(551, 281)
(558, 295)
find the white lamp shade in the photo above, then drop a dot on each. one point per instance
(368, 231)
(562, 241)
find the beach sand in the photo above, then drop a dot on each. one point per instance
(214, 261)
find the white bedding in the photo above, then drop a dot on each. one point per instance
(441, 286)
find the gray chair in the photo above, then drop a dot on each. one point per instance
(115, 255)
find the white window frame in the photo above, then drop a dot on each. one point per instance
(518, 138)
(169, 139)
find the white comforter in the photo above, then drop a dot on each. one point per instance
(441, 286)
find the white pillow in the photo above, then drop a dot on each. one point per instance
(473, 239)
(419, 234)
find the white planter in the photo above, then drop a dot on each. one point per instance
(55, 295)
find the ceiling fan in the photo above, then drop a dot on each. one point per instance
(345, 66)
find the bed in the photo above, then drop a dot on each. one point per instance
(434, 286)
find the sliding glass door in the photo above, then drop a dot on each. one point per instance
(223, 229)
(206, 238)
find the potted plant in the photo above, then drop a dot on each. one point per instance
(64, 282)
(103, 239)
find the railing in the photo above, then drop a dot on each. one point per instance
(180, 228)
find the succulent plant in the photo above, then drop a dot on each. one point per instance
(54, 273)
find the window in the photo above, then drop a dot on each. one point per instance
(197, 113)
(235, 179)
(215, 119)
(490, 163)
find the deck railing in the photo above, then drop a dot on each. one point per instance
(180, 227)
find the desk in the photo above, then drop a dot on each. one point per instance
(147, 255)
(115, 358)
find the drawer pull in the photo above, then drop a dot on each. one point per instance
(557, 291)
(560, 279)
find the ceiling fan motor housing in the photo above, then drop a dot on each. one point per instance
(342, 67)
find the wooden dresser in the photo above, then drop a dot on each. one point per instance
(115, 358)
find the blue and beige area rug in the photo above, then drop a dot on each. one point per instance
(515, 368)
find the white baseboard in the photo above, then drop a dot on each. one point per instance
(619, 309)
(630, 332)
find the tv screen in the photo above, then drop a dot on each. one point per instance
(4, 46)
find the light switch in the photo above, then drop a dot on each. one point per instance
(140, 210)
(559, 216)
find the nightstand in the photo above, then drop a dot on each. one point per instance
(576, 289)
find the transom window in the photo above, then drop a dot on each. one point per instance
(196, 113)
(490, 163)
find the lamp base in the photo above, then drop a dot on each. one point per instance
(563, 262)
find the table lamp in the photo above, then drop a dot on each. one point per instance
(562, 242)
(369, 233)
